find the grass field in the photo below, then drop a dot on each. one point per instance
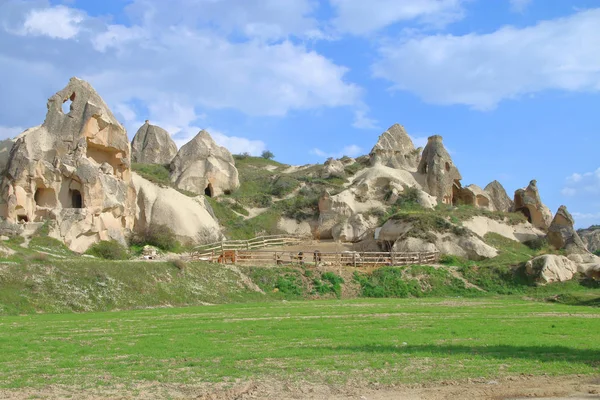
(384, 340)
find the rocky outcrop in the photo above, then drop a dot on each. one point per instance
(443, 177)
(562, 234)
(395, 149)
(333, 169)
(551, 268)
(152, 145)
(73, 170)
(590, 237)
(473, 195)
(203, 167)
(528, 202)
(190, 218)
(5, 148)
(498, 196)
(353, 229)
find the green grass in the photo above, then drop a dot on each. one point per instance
(388, 341)
(153, 172)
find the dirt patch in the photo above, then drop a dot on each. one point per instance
(569, 387)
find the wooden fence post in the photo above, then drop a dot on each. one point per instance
(354, 259)
(393, 258)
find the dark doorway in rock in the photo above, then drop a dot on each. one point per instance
(525, 211)
(22, 218)
(76, 199)
(209, 190)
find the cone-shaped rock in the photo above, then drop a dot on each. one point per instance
(562, 234)
(499, 197)
(529, 202)
(152, 145)
(442, 174)
(203, 167)
(395, 149)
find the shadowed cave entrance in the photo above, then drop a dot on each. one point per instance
(76, 199)
(209, 190)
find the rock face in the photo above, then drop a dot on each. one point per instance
(499, 197)
(443, 178)
(591, 238)
(562, 234)
(203, 167)
(189, 218)
(152, 145)
(528, 202)
(395, 149)
(73, 170)
(551, 268)
(333, 169)
(474, 196)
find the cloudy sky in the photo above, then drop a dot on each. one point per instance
(513, 86)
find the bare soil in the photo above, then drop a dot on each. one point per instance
(514, 388)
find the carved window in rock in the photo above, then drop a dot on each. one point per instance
(68, 104)
(45, 197)
(209, 190)
(76, 199)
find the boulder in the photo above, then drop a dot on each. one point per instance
(73, 170)
(414, 245)
(352, 230)
(590, 237)
(190, 218)
(153, 145)
(562, 234)
(499, 197)
(333, 169)
(442, 175)
(528, 202)
(395, 149)
(203, 167)
(551, 268)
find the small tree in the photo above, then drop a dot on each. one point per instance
(267, 155)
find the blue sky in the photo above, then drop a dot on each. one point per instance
(513, 86)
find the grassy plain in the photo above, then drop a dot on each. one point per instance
(372, 340)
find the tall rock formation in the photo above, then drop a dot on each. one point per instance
(73, 170)
(474, 196)
(528, 202)
(395, 149)
(499, 197)
(152, 145)
(443, 178)
(591, 237)
(562, 234)
(203, 167)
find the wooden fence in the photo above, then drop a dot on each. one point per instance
(316, 258)
(252, 244)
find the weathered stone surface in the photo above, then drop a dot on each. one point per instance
(562, 234)
(5, 148)
(189, 218)
(203, 167)
(73, 170)
(551, 268)
(442, 174)
(591, 238)
(473, 195)
(352, 230)
(333, 169)
(395, 149)
(528, 202)
(499, 197)
(152, 145)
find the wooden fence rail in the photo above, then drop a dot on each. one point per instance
(251, 244)
(351, 258)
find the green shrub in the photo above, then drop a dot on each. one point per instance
(284, 185)
(289, 284)
(536, 244)
(454, 261)
(597, 252)
(160, 236)
(267, 155)
(108, 250)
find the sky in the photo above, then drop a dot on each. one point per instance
(513, 86)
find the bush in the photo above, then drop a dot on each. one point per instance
(160, 236)
(329, 283)
(267, 155)
(536, 244)
(289, 285)
(284, 185)
(597, 252)
(108, 250)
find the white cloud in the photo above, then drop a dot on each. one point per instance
(56, 22)
(480, 70)
(350, 151)
(116, 36)
(519, 6)
(585, 216)
(10, 132)
(362, 17)
(362, 121)
(583, 185)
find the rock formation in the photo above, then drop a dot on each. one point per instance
(551, 268)
(528, 202)
(395, 149)
(73, 170)
(203, 167)
(591, 238)
(333, 169)
(473, 195)
(562, 234)
(152, 145)
(443, 178)
(499, 197)
(190, 218)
